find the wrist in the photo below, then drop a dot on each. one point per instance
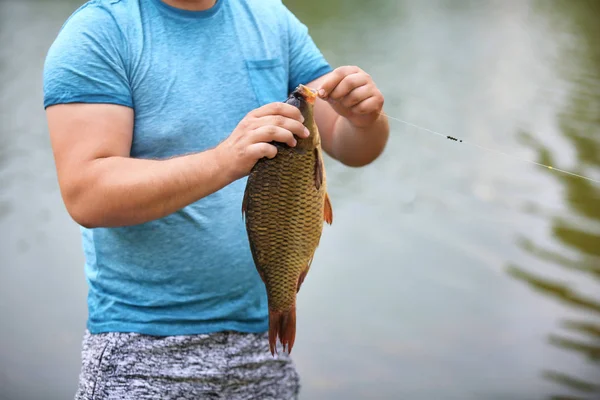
(365, 122)
(222, 164)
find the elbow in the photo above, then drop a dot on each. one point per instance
(360, 160)
(83, 215)
(357, 162)
(82, 211)
(84, 220)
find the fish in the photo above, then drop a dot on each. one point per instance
(285, 206)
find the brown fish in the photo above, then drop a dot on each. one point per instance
(285, 204)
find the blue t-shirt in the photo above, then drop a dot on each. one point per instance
(190, 77)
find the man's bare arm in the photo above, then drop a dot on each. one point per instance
(349, 118)
(103, 187)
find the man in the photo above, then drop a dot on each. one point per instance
(157, 111)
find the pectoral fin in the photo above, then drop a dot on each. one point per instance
(328, 211)
(245, 202)
(318, 170)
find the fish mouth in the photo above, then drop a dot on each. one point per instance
(310, 95)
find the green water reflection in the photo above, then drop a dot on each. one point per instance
(580, 125)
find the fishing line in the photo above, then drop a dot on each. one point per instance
(458, 140)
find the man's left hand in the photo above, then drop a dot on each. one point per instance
(353, 95)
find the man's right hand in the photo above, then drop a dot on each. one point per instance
(250, 141)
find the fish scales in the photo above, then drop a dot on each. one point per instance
(289, 211)
(285, 205)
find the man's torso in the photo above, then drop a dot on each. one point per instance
(190, 78)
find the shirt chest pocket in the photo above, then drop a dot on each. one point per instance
(269, 80)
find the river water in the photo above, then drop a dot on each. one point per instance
(450, 272)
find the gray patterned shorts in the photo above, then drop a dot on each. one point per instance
(226, 365)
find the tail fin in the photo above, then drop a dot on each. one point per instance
(282, 324)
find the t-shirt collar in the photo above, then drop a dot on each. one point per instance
(188, 13)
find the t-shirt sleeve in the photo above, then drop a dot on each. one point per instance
(85, 64)
(307, 63)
